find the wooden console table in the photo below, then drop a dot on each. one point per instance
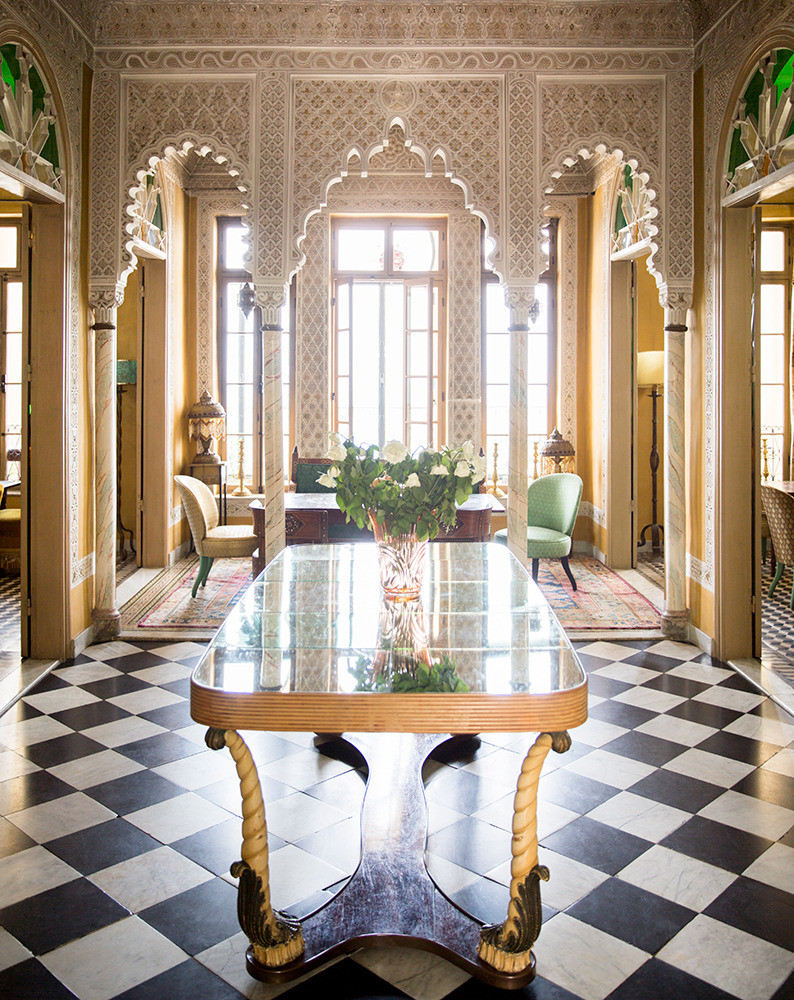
(312, 647)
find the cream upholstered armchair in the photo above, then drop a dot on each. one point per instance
(212, 540)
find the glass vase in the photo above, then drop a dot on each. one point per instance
(401, 560)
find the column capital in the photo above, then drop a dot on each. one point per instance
(524, 307)
(271, 296)
(676, 300)
(104, 300)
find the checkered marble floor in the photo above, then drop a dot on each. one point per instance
(668, 829)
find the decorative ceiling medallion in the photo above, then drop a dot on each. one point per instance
(398, 96)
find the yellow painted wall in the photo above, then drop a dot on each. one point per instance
(649, 325)
(127, 347)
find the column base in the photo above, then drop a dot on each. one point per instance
(106, 622)
(675, 625)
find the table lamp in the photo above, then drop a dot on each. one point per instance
(206, 420)
(557, 454)
(650, 372)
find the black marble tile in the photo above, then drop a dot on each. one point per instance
(606, 687)
(134, 791)
(226, 793)
(717, 844)
(136, 661)
(462, 790)
(786, 991)
(769, 786)
(218, 847)
(39, 923)
(597, 845)
(19, 712)
(644, 748)
(574, 791)
(12, 839)
(187, 981)
(704, 714)
(112, 687)
(656, 980)
(346, 980)
(102, 846)
(538, 989)
(31, 790)
(198, 918)
(677, 790)
(740, 748)
(591, 662)
(50, 682)
(160, 749)
(180, 686)
(175, 716)
(29, 980)
(652, 661)
(738, 682)
(98, 713)
(338, 845)
(762, 910)
(484, 899)
(472, 844)
(631, 914)
(48, 753)
(672, 684)
(620, 714)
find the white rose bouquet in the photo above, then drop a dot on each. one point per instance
(402, 491)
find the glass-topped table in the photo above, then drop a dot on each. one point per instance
(312, 646)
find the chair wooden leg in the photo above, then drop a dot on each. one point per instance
(535, 569)
(776, 579)
(568, 573)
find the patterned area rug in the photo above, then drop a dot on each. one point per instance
(602, 601)
(165, 609)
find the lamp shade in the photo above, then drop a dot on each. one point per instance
(206, 420)
(557, 453)
(650, 368)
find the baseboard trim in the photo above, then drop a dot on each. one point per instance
(701, 640)
(588, 549)
(180, 552)
(82, 641)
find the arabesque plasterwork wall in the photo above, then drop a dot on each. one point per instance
(565, 209)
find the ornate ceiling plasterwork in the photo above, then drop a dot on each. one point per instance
(651, 24)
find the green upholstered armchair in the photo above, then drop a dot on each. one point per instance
(552, 506)
(305, 471)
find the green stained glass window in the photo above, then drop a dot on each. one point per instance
(11, 70)
(756, 90)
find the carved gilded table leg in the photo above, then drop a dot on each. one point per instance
(507, 946)
(276, 938)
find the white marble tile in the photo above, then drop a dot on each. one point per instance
(60, 699)
(138, 953)
(128, 730)
(627, 672)
(419, 974)
(163, 673)
(13, 765)
(610, 768)
(677, 877)
(150, 878)
(781, 763)
(754, 726)
(177, 817)
(296, 816)
(110, 650)
(29, 872)
(11, 951)
(738, 701)
(775, 867)
(569, 879)
(502, 766)
(180, 650)
(145, 700)
(595, 733)
(667, 727)
(765, 819)
(608, 650)
(85, 772)
(703, 672)
(198, 770)
(649, 698)
(440, 816)
(194, 732)
(710, 767)
(448, 876)
(584, 960)
(295, 875)
(677, 650)
(60, 817)
(227, 960)
(732, 960)
(86, 673)
(639, 816)
(303, 768)
(15, 735)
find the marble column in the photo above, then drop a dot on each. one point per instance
(105, 617)
(523, 306)
(675, 617)
(270, 297)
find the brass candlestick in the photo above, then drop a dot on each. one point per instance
(242, 490)
(494, 487)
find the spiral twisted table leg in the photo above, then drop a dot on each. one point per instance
(276, 938)
(507, 946)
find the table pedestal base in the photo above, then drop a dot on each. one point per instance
(391, 899)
